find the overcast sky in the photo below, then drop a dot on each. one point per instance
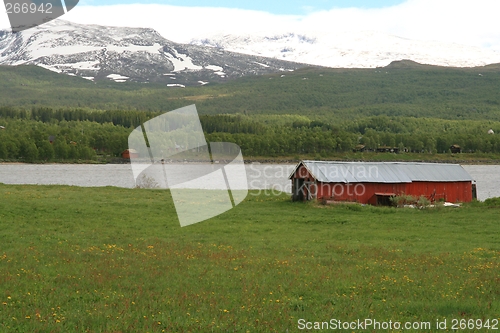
(281, 7)
(457, 21)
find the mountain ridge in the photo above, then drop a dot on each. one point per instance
(350, 49)
(128, 54)
(142, 55)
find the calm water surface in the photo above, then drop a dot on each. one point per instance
(260, 176)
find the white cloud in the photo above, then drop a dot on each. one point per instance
(181, 24)
(458, 21)
(442, 20)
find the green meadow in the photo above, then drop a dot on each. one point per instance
(116, 260)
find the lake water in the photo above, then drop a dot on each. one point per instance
(259, 176)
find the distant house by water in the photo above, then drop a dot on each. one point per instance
(455, 149)
(386, 149)
(381, 149)
(130, 153)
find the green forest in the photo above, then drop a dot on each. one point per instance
(313, 112)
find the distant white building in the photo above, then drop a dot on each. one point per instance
(491, 131)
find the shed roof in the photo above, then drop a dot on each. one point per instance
(384, 172)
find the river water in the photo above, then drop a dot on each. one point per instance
(259, 176)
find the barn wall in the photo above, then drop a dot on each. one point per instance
(365, 192)
(357, 192)
(304, 174)
(448, 191)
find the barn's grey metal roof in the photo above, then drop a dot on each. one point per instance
(384, 172)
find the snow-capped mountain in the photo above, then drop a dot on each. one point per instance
(128, 54)
(350, 49)
(142, 55)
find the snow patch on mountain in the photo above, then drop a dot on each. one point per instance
(118, 77)
(182, 62)
(215, 68)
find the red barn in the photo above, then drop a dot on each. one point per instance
(375, 182)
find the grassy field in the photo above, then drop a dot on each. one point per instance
(116, 260)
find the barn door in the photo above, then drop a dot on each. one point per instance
(298, 189)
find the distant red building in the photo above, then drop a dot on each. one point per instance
(130, 153)
(375, 183)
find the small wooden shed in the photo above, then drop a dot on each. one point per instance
(455, 149)
(375, 182)
(130, 153)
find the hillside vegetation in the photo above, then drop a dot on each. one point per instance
(400, 89)
(315, 111)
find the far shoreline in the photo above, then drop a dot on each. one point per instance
(280, 161)
(477, 158)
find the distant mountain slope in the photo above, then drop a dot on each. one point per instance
(128, 54)
(403, 88)
(366, 49)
